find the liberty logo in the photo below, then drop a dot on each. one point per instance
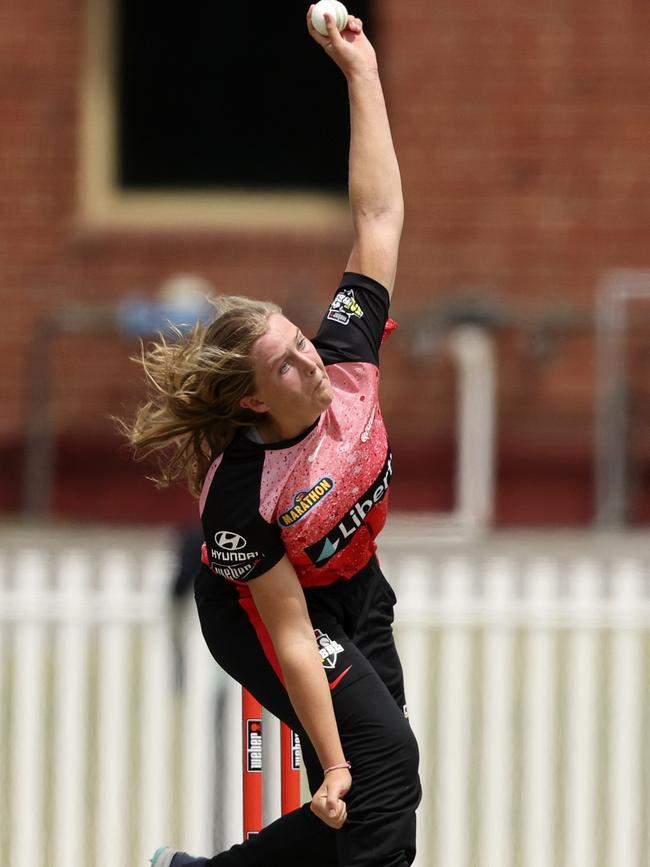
(337, 539)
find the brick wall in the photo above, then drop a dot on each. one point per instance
(523, 133)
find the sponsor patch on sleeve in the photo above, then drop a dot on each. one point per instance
(344, 307)
(229, 556)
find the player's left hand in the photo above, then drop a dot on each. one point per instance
(328, 803)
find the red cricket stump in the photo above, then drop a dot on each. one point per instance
(252, 766)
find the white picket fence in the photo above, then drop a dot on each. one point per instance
(527, 660)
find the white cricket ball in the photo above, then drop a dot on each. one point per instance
(332, 7)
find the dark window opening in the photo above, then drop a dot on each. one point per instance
(249, 102)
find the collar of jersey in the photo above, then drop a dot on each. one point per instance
(282, 444)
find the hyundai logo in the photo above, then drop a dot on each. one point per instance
(229, 541)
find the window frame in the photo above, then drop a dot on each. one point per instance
(104, 204)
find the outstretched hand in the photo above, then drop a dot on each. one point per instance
(328, 803)
(349, 49)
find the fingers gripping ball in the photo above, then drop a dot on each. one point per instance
(332, 7)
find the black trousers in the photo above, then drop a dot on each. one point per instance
(353, 625)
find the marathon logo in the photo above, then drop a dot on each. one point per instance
(344, 307)
(304, 501)
(338, 538)
(254, 746)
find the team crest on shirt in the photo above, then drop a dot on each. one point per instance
(304, 501)
(328, 648)
(344, 307)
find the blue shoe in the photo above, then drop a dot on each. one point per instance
(166, 857)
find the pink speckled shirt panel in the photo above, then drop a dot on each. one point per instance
(349, 447)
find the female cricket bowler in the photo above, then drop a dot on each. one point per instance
(283, 439)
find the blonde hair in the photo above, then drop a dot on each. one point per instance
(195, 384)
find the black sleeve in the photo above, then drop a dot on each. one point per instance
(353, 327)
(240, 544)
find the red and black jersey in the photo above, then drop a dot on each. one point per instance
(321, 497)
